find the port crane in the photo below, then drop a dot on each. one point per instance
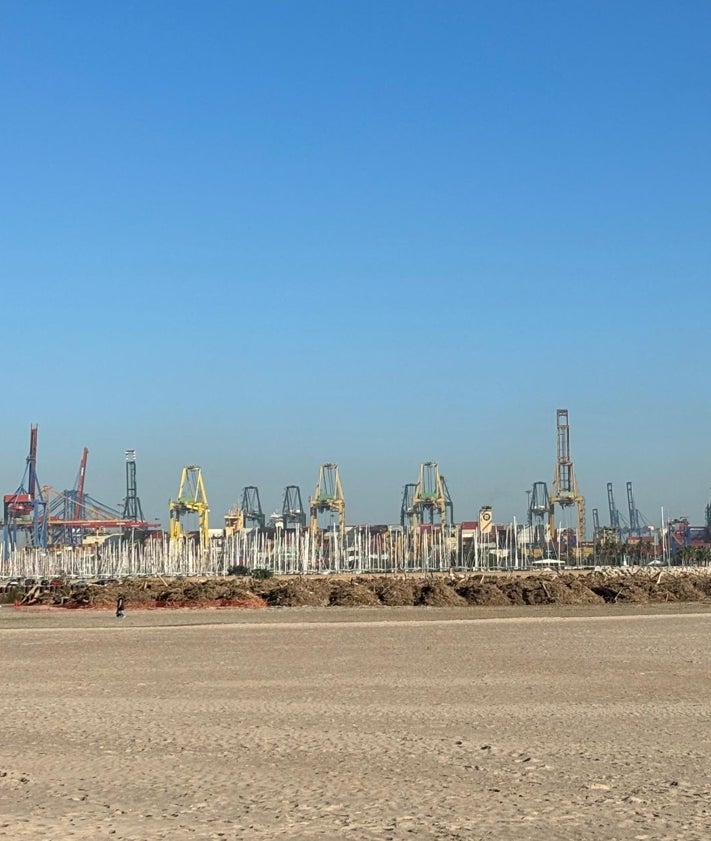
(328, 497)
(431, 498)
(635, 529)
(564, 489)
(251, 506)
(292, 508)
(407, 512)
(79, 484)
(538, 511)
(614, 513)
(132, 509)
(25, 510)
(74, 514)
(191, 499)
(69, 507)
(248, 514)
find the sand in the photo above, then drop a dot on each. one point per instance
(389, 723)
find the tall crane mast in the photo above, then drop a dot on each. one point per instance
(328, 496)
(79, 499)
(614, 513)
(635, 519)
(132, 509)
(564, 488)
(73, 509)
(596, 522)
(191, 499)
(32, 463)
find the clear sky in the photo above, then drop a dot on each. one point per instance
(263, 236)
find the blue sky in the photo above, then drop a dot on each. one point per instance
(262, 236)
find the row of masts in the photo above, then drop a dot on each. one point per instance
(364, 550)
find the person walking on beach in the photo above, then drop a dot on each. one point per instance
(120, 608)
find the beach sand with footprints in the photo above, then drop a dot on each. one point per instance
(374, 723)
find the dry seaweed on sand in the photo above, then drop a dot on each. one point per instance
(615, 586)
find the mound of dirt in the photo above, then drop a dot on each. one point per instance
(522, 591)
(220, 592)
(630, 592)
(476, 592)
(439, 593)
(395, 592)
(294, 593)
(352, 594)
(632, 586)
(685, 589)
(577, 590)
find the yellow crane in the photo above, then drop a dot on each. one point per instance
(328, 496)
(431, 497)
(192, 499)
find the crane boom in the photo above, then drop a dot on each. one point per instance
(79, 498)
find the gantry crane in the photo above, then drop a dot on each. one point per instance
(192, 499)
(539, 506)
(26, 509)
(564, 489)
(328, 496)
(431, 497)
(248, 514)
(406, 509)
(132, 509)
(292, 508)
(252, 507)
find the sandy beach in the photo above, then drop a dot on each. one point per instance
(402, 723)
